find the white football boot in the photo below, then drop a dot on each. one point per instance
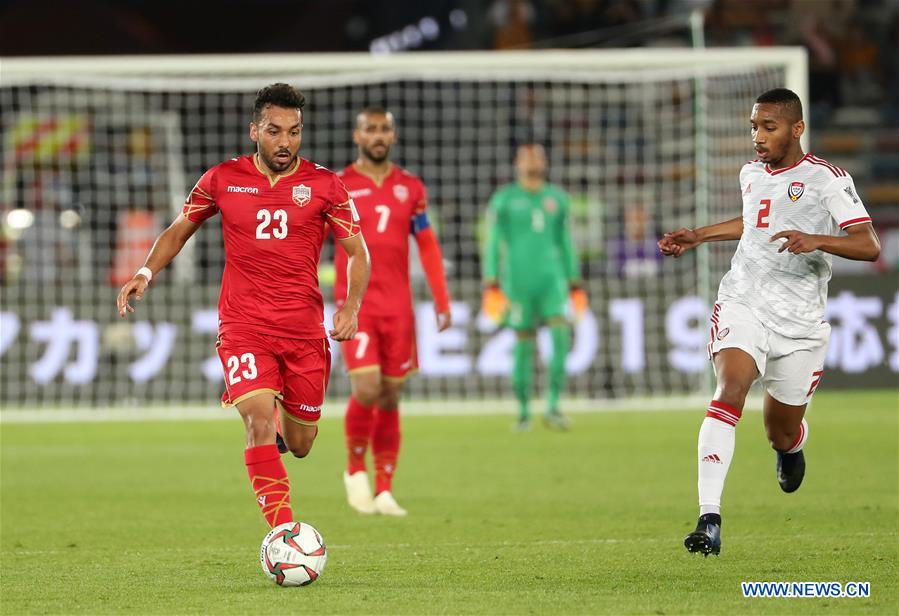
(358, 492)
(385, 504)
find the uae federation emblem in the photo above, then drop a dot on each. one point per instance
(302, 194)
(400, 192)
(796, 190)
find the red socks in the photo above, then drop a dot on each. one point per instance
(368, 423)
(357, 426)
(385, 447)
(270, 483)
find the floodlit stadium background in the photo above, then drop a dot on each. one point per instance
(98, 153)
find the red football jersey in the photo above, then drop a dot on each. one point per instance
(273, 235)
(386, 214)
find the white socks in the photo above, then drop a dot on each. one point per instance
(717, 438)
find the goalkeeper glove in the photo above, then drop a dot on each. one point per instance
(579, 301)
(494, 303)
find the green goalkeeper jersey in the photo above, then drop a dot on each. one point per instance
(529, 247)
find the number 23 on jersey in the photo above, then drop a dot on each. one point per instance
(271, 225)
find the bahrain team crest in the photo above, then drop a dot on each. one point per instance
(400, 192)
(302, 194)
(795, 191)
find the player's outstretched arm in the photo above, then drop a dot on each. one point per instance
(432, 263)
(859, 244)
(358, 269)
(676, 243)
(167, 245)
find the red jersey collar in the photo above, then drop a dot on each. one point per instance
(277, 178)
(384, 179)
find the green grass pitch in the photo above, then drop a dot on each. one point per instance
(158, 517)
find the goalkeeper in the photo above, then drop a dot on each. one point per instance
(529, 270)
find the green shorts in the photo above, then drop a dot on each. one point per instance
(530, 311)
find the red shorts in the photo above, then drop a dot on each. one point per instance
(295, 370)
(386, 344)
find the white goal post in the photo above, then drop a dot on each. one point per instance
(643, 140)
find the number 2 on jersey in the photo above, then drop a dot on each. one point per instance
(762, 222)
(262, 229)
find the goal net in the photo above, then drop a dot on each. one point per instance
(99, 154)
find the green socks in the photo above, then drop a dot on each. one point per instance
(561, 338)
(523, 373)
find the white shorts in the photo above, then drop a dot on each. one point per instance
(789, 368)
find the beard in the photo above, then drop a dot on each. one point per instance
(376, 158)
(276, 165)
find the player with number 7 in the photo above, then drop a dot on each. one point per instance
(393, 205)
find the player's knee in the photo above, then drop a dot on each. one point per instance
(301, 450)
(732, 392)
(780, 438)
(300, 447)
(299, 439)
(389, 401)
(525, 335)
(367, 393)
(389, 396)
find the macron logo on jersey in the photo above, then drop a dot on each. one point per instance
(244, 189)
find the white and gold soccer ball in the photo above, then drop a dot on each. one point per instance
(293, 554)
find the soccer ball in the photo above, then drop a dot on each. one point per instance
(293, 554)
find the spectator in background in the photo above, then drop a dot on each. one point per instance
(512, 21)
(136, 227)
(136, 231)
(52, 248)
(621, 12)
(890, 69)
(634, 254)
(858, 64)
(813, 21)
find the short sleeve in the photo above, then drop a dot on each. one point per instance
(340, 212)
(744, 172)
(200, 204)
(842, 201)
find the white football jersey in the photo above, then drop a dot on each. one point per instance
(788, 292)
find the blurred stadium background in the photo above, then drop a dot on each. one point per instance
(642, 105)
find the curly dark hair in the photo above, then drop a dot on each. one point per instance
(279, 95)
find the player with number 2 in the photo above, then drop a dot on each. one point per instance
(798, 211)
